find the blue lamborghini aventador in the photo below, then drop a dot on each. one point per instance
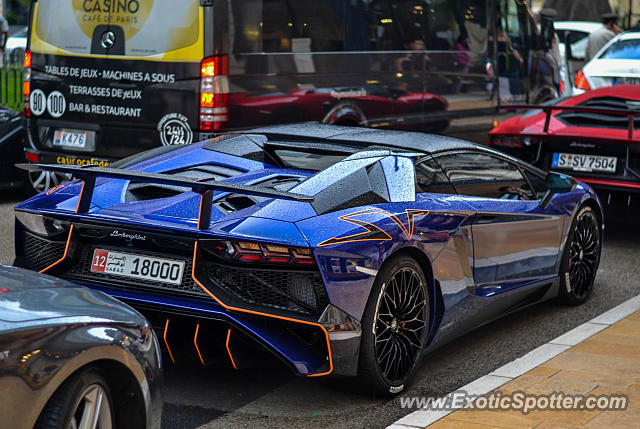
(342, 251)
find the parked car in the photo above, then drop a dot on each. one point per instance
(72, 356)
(11, 149)
(589, 136)
(617, 63)
(576, 34)
(342, 250)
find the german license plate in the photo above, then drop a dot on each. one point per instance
(75, 139)
(579, 162)
(137, 266)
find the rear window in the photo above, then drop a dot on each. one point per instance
(149, 27)
(623, 50)
(306, 160)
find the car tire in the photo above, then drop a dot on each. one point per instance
(394, 327)
(580, 258)
(85, 395)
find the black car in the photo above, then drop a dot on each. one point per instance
(11, 149)
(69, 355)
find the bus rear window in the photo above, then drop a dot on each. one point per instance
(149, 27)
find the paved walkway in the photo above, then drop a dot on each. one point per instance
(607, 363)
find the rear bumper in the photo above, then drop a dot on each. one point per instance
(611, 184)
(309, 349)
(626, 178)
(327, 343)
(308, 357)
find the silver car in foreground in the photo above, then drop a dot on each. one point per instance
(72, 357)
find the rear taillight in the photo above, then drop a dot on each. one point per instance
(250, 252)
(581, 81)
(505, 141)
(512, 141)
(214, 94)
(26, 83)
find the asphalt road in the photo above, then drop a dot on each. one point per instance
(268, 396)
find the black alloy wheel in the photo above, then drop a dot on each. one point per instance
(581, 257)
(395, 327)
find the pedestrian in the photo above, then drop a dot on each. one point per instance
(600, 37)
(4, 35)
(463, 59)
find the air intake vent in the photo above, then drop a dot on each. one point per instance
(234, 202)
(584, 119)
(208, 172)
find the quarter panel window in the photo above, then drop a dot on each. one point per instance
(539, 184)
(430, 178)
(480, 175)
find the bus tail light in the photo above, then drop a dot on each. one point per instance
(214, 96)
(26, 83)
(581, 81)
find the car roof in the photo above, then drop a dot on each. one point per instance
(627, 35)
(364, 137)
(586, 26)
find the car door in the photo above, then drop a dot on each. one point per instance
(515, 241)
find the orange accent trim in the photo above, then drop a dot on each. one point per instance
(80, 197)
(64, 255)
(193, 275)
(164, 337)
(66, 248)
(199, 210)
(195, 343)
(229, 350)
(370, 227)
(55, 188)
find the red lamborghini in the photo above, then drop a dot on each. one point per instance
(595, 137)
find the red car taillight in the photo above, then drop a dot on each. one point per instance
(581, 81)
(214, 96)
(245, 251)
(512, 141)
(26, 83)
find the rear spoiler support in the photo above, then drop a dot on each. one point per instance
(630, 114)
(89, 173)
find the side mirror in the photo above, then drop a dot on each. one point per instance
(557, 183)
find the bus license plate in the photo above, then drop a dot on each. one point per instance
(67, 138)
(577, 162)
(137, 266)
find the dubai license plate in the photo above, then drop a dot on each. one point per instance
(588, 163)
(75, 139)
(137, 266)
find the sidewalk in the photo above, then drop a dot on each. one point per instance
(607, 363)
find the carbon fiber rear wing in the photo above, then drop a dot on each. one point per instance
(89, 173)
(547, 109)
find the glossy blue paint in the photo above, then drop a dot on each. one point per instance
(484, 256)
(288, 346)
